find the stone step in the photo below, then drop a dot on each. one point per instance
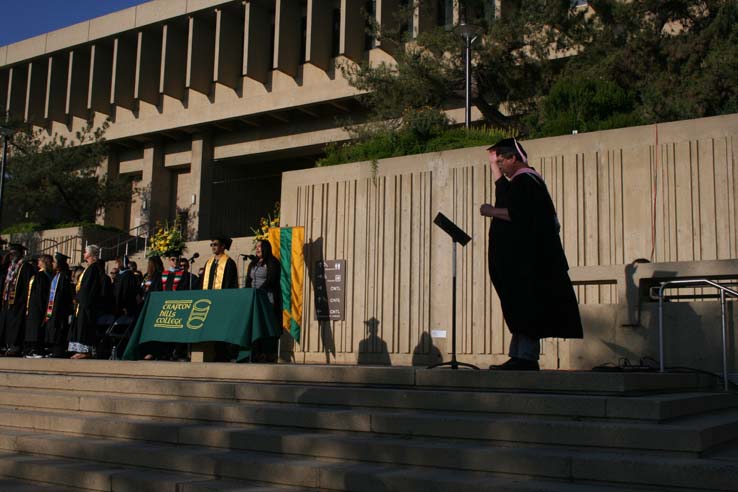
(66, 474)
(657, 407)
(14, 485)
(179, 465)
(694, 434)
(575, 382)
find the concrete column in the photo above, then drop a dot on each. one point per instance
(425, 16)
(319, 33)
(353, 25)
(112, 215)
(201, 52)
(101, 76)
(148, 65)
(387, 18)
(201, 173)
(157, 183)
(287, 35)
(17, 88)
(77, 82)
(173, 70)
(257, 52)
(4, 85)
(56, 88)
(38, 72)
(229, 30)
(124, 72)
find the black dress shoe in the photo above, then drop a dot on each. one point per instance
(515, 364)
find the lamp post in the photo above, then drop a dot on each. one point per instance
(470, 33)
(6, 134)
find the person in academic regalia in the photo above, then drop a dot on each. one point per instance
(59, 307)
(153, 283)
(125, 290)
(139, 279)
(527, 263)
(152, 279)
(14, 300)
(4, 265)
(175, 277)
(93, 300)
(221, 271)
(193, 281)
(38, 298)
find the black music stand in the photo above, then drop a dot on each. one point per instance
(462, 238)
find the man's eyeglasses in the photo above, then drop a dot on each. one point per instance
(214, 245)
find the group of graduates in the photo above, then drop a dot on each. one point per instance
(48, 310)
(36, 304)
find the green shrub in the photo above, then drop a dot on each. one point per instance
(22, 228)
(421, 137)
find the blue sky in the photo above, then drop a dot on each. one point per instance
(21, 19)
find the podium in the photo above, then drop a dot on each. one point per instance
(457, 237)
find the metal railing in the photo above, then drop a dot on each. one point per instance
(692, 283)
(123, 243)
(75, 248)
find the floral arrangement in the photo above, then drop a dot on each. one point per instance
(266, 223)
(167, 241)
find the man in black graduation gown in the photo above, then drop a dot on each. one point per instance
(38, 299)
(59, 307)
(125, 290)
(93, 301)
(15, 299)
(221, 271)
(527, 263)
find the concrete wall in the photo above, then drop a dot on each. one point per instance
(666, 193)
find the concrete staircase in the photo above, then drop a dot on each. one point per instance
(157, 426)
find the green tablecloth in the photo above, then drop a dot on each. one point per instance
(236, 316)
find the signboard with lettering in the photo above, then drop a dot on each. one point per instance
(330, 290)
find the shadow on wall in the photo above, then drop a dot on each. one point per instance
(313, 253)
(372, 349)
(425, 353)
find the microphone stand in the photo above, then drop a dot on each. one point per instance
(192, 262)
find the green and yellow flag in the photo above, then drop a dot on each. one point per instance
(287, 243)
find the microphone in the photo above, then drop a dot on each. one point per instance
(249, 257)
(196, 255)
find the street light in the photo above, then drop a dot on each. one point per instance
(6, 134)
(470, 33)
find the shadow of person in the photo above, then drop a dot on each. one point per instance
(313, 254)
(425, 353)
(372, 349)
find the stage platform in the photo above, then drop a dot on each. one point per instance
(179, 427)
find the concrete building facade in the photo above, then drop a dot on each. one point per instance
(209, 100)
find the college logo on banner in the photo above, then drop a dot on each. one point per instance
(199, 314)
(173, 314)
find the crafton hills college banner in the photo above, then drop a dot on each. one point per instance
(287, 246)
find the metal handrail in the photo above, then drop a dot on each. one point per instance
(700, 281)
(129, 235)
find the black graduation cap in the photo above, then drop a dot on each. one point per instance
(510, 146)
(60, 257)
(17, 247)
(224, 240)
